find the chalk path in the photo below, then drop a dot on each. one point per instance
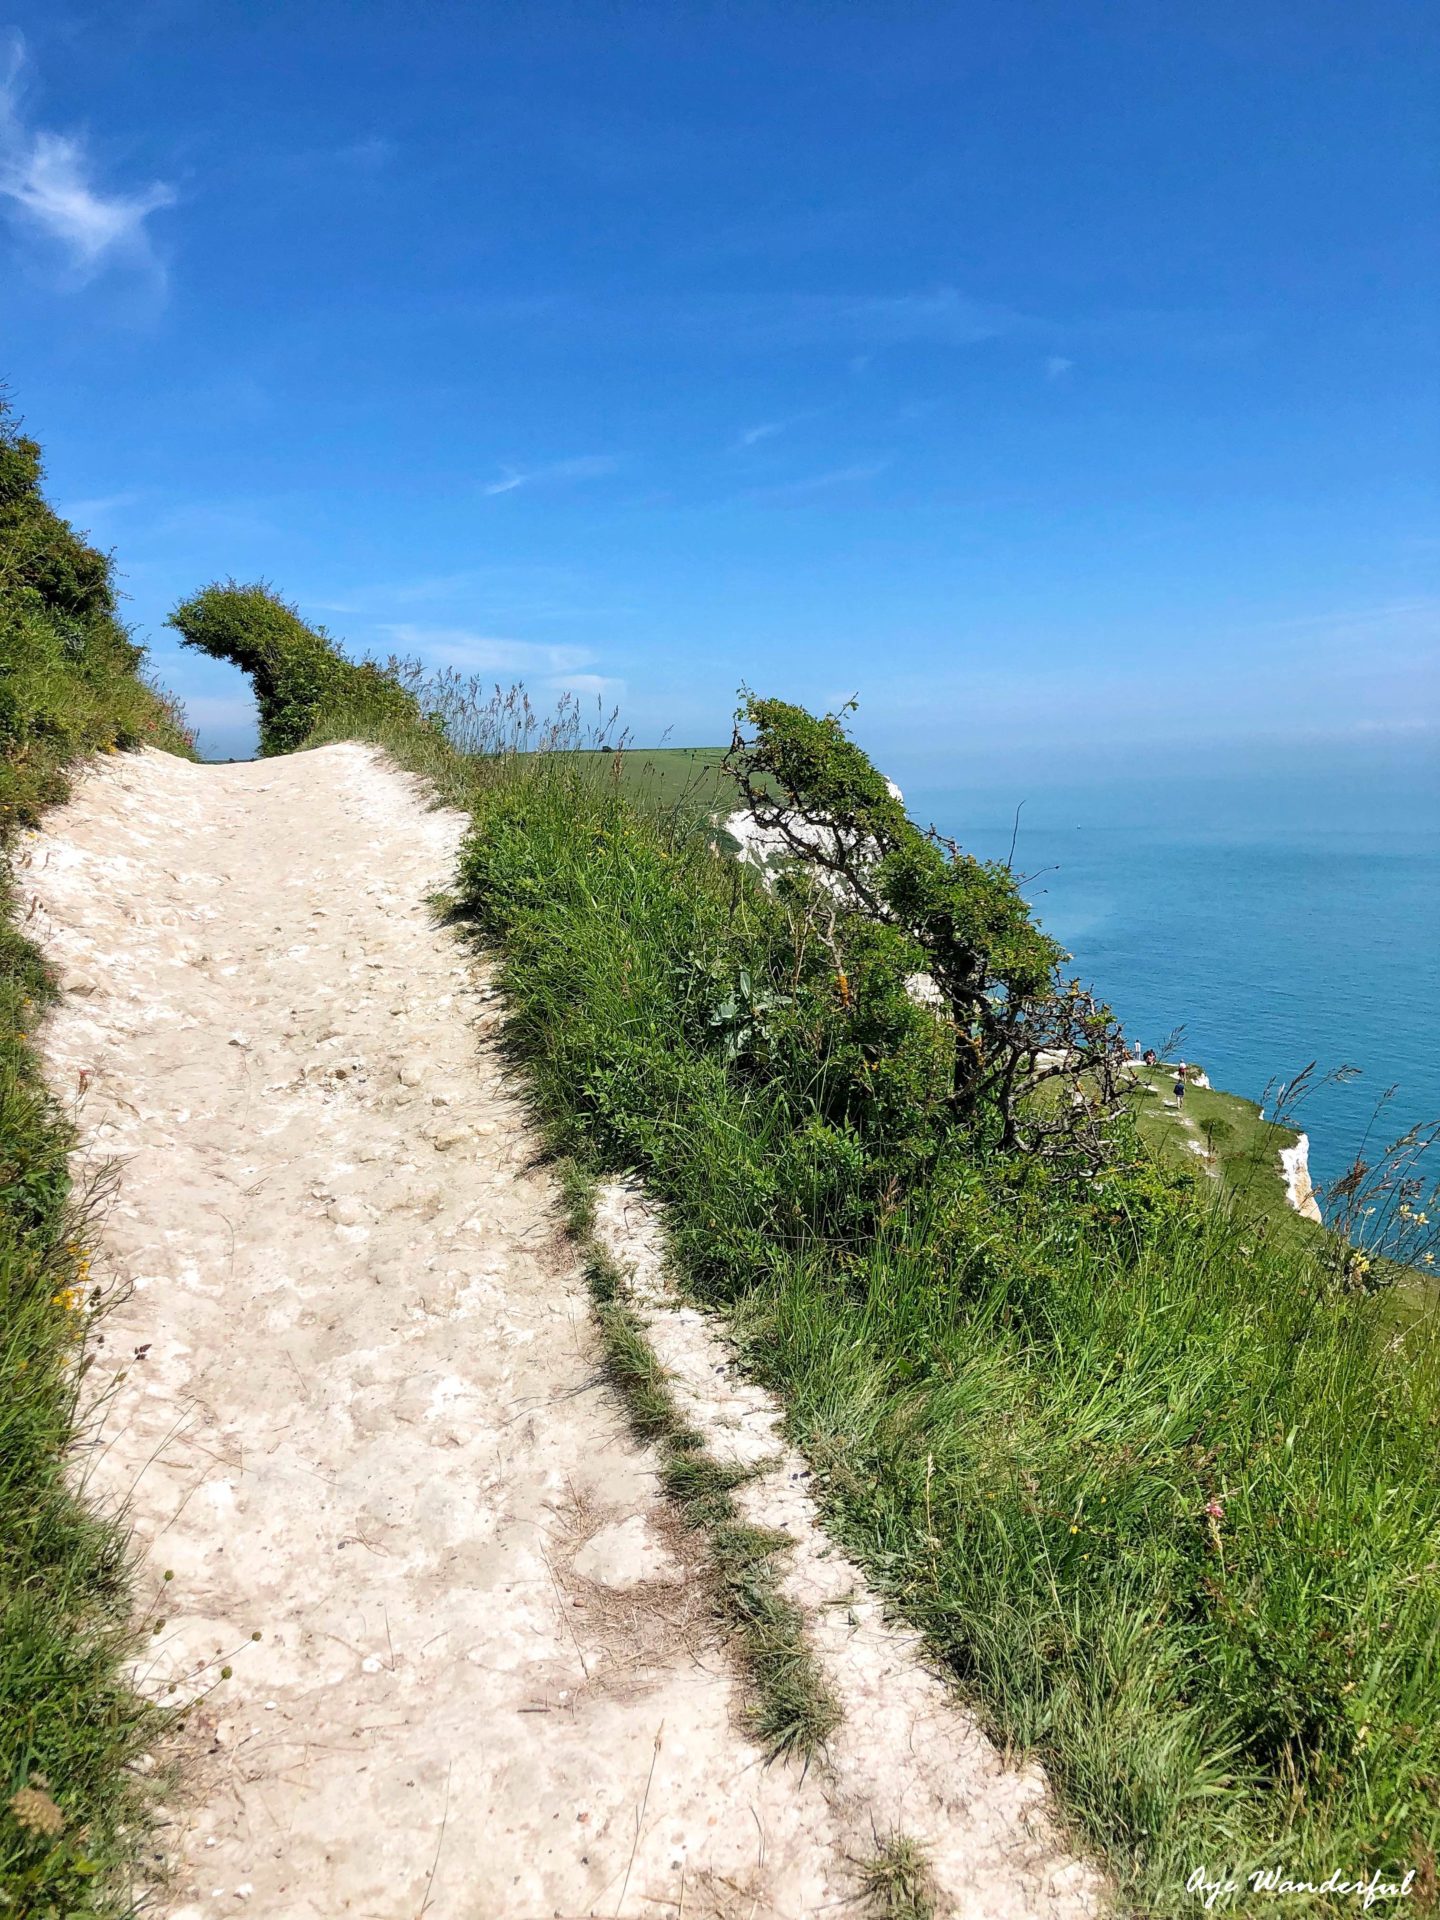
(350, 1395)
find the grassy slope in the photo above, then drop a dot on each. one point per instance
(69, 1727)
(1023, 1446)
(1245, 1149)
(1159, 1491)
(1241, 1147)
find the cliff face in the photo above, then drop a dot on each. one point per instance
(764, 847)
(1298, 1190)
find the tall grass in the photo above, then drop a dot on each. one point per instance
(70, 1726)
(71, 1803)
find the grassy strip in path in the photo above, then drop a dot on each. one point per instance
(790, 1710)
(896, 1881)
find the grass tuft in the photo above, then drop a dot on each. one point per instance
(896, 1881)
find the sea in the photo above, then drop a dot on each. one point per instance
(1266, 948)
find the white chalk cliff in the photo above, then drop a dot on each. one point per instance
(1298, 1189)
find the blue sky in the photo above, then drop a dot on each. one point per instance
(1061, 380)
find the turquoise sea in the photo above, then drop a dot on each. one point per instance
(1269, 948)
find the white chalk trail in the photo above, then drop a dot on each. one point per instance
(351, 1398)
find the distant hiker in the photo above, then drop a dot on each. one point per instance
(1180, 1085)
(1150, 1056)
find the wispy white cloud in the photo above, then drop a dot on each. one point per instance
(383, 595)
(860, 326)
(769, 429)
(591, 466)
(483, 652)
(500, 597)
(597, 686)
(86, 514)
(48, 181)
(944, 317)
(1423, 614)
(820, 483)
(553, 669)
(1057, 366)
(855, 323)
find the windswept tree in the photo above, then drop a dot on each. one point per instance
(1035, 1054)
(298, 673)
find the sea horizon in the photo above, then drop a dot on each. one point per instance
(1269, 946)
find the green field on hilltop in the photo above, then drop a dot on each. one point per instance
(663, 778)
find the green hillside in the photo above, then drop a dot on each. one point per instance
(71, 1730)
(663, 778)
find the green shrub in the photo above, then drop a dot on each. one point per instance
(73, 680)
(1015, 1025)
(298, 675)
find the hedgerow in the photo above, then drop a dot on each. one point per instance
(74, 681)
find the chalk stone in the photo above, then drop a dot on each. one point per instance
(626, 1555)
